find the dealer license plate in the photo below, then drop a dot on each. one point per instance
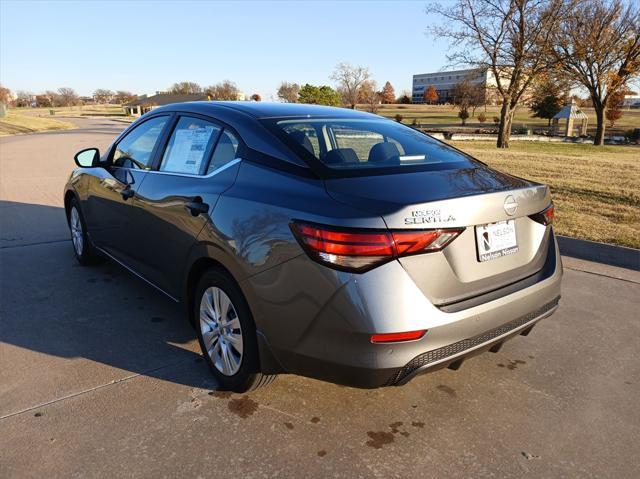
(496, 240)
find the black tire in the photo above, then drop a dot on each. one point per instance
(86, 254)
(248, 376)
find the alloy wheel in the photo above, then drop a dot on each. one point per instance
(221, 331)
(76, 231)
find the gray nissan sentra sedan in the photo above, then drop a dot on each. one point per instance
(318, 241)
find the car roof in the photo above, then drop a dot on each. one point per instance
(270, 109)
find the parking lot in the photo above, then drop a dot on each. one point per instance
(100, 375)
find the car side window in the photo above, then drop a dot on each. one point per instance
(226, 151)
(190, 146)
(135, 149)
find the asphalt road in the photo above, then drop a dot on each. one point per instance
(100, 375)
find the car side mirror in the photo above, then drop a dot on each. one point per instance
(87, 158)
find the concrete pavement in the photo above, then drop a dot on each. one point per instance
(100, 376)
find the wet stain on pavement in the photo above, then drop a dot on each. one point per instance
(419, 424)
(512, 364)
(405, 433)
(322, 453)
(394, 426)
(315, 420)
(243, 407)
(379, 438)
(288, 425)
(449, 390)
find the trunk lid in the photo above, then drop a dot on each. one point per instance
(468, 198)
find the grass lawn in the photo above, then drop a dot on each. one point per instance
(596, 190)
(74, 111)
(14, 123)
(440, 116)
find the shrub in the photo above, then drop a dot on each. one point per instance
(399, 117)
(482, 117)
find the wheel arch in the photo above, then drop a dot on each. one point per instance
(68, 196)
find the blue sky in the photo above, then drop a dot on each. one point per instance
(146, 46)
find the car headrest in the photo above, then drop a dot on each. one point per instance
(341, 155)
(303, 140)
(384, 152)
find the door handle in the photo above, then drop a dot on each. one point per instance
(197, 207)
(127, 193)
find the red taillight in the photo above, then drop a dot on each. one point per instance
(545, 217)
(397, 337)
(359, 250)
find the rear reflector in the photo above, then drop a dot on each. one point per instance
(397, 337)
(545, 217)
(358, 250)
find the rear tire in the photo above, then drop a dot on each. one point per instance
(85, 252)
(227, 334)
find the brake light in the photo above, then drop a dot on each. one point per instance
(545, 217)
(359, 250)
(397, 337)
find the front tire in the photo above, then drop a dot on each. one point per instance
(82, 247)
(227, 333)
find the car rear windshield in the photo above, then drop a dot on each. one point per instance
(363, 145)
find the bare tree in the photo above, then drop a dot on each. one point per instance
(349, 79)
(123, 96)
(599, 47)
(509, 38)
(102, 95)
(185, 88)
(226, 90)
(67, 96)
(288, 92)
(467, 94)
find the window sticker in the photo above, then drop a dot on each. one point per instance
(189, 148)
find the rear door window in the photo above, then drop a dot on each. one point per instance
(190, 146)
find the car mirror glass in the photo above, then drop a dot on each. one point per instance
(87, 158)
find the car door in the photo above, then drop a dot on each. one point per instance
(177, 196)
(111, 196)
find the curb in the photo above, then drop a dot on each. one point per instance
(613, 255)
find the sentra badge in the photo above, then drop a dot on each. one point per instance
(435, 215)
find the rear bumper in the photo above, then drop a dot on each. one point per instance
(455, 353)
(330, 339)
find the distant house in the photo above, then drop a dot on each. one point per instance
(147, 103)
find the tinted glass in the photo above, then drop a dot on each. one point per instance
(367, 144)
(304, 134)
(190, 146)
(135, 149)
(226, 150)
